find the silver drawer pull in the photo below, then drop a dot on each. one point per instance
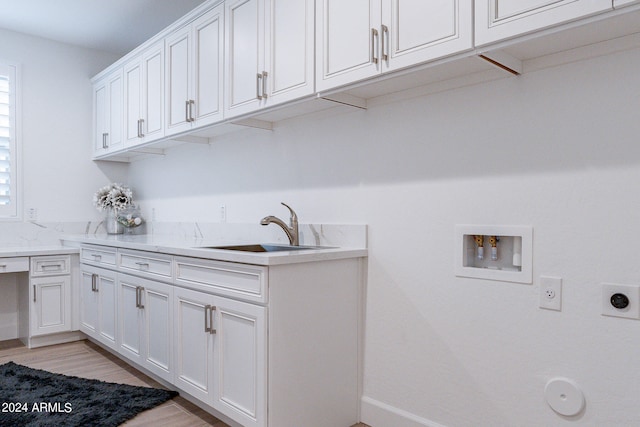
(142, 265)
(96, 257)
(3, 266)
(207, 328)
(56, 266)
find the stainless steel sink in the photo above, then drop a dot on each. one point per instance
(263, 248)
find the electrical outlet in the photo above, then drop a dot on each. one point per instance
(223, 213)
(32, 214)
(621, 300)
(551, 293)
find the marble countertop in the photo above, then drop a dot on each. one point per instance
(19, 251)
(194, 247)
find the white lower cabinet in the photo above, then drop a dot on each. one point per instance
(220, 354)
(51, 305)
(264, 346)
(145, 318)
(98, 304)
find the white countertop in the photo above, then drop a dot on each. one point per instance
(19, 251)
(193, 247)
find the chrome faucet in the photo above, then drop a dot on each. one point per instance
(291, 230)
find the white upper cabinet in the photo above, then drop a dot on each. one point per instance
(144, 97)
(269, 53)
(108, 114)
(502, 19)
(194, 70)
(362, 38)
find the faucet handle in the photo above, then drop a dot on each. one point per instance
(294, 217)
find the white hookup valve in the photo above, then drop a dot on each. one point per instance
(493, 241)
(480, 246)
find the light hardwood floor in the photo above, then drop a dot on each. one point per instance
(87, 360)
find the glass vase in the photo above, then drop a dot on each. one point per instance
(111, 223)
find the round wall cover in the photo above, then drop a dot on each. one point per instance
(564, 396)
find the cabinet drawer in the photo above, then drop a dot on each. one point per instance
(247, 282)
(99, 255)
(10, 265)
(50, 265)
(145, 263)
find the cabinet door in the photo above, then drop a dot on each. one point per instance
(115, 114)
(133, 99)
(178, 71)
(244, 29)
(156, 302)
(107, 309)
(130, 318)
(50, 305)
(240, 361)
(208, 40)
(100, 109)
(501, 19)
(289, 49)
(89, 302)
(416, 31)
(193, 343)
(152, 126)
(347, 41)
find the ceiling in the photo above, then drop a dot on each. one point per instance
(115, 26)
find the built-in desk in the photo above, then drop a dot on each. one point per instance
(36, 294)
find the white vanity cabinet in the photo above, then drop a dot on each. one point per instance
(108, 113)
(50, 295)
(144, 97)
(502, 19)
(145, 320)
(269, 48)
(98, 304)
(363, 38)
(194, 70)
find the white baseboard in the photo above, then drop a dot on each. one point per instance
(378, 414)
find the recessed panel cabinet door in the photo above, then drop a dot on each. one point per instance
(152, 126)
(157, 304)
(133, 100)
(178, 78)
(107, 310)
(415, 31)
(244, 29)
(130, 319)
(501, 19)
(193, 343)
(208, 42)
(289, 49)
(51, 303)
(240, 353)
(347, 41)
(88, 303)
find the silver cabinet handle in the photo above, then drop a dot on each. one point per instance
(264, 84)
(139, 290)
(57, 266)
(186, 111)
(3, 266)
(211, 310)
(142, 265)
(207, 328)
(140, 128)
(374, 46)
(192, 103)
(385, 53)
(94, 282)
(96, 257)
(34, 293)
(104, 140)
(258, 85)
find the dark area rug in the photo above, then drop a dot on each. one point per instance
(32, 397)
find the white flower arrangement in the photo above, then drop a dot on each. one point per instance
(116, 196)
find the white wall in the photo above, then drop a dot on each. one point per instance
(557, 149)
(59, 179)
